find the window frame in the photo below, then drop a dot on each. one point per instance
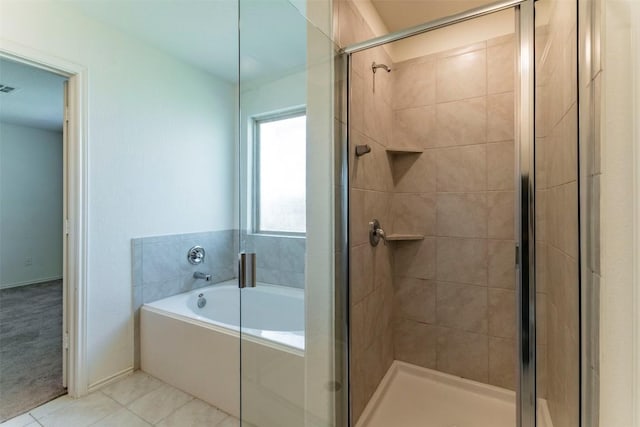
(255, 178)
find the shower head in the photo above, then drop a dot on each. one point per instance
(374, 67)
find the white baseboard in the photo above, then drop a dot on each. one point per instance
(30, 282)
(110, 380)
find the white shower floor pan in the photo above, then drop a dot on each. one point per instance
(411, 396)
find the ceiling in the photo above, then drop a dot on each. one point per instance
(401, 14)
(37, 100)
(204, 33)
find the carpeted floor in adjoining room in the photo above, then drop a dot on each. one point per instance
(30, 347)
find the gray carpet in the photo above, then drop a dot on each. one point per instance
(30, 347)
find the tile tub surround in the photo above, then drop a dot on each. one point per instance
(454, 292)
(135, 401)
(280, 259)
(160, 268)
(30, 346)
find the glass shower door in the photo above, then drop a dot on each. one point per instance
(285, 215)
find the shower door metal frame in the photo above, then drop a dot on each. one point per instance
(526, 402)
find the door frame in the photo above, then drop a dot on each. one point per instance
(75, 161)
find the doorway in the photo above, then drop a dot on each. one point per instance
(43, 270)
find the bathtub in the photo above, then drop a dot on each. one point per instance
(198, 349)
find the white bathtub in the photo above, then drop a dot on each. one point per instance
(274, 313)
(198, 349)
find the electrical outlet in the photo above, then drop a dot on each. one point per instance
(28, 261)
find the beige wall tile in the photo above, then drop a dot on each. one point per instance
(414, 173)
(358, 225)
(462, 307)
(415, 258)
(462, 260)
(373, 318)
(461, 214)
(502, 362)
(461, 122)
(357, 328)
(376, 205)
(413, 213)
(359, 167)
(541, 318)
(541, 267)
(382, 267)
(500, 117)
(356, 115)
(377, 115)
(502, 313)
(462, 168)
(501, 207)
(569, 224)
(415, 299)
(501, 65)
(462, 76)
(415, 342)
(414, 84)
(463, 353)
(414, 127)
(361, 272)
(541, 373)
(501, 264)
(501, 166)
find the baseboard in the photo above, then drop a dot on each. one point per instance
(30, 282)
(110, 380)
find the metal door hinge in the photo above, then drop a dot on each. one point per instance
(517, 257)
(247, 270)
(66, 227)
(65, 341)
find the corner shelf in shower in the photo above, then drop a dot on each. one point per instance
(404, 237)
(402, 150)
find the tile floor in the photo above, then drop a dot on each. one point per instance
(137, 400)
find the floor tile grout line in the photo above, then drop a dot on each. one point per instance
(176, 409)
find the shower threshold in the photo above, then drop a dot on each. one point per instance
(412, 396)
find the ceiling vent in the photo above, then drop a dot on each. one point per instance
(6, 89)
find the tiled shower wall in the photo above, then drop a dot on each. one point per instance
(557, 208)
(371, 183)
(448, 301)
(454, 299)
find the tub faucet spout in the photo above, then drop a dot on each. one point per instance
(202, 276)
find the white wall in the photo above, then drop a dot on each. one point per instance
(161, 155)
(30, 204)
(620, 225)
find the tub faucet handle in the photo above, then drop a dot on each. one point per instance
(202, 276)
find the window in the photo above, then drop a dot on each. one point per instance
(280, 174)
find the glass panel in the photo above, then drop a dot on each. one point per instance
(286, 214)
(434, 308)
(557, 280)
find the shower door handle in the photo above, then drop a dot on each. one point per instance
(247, 270)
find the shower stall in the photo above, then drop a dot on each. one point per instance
(461, 158)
